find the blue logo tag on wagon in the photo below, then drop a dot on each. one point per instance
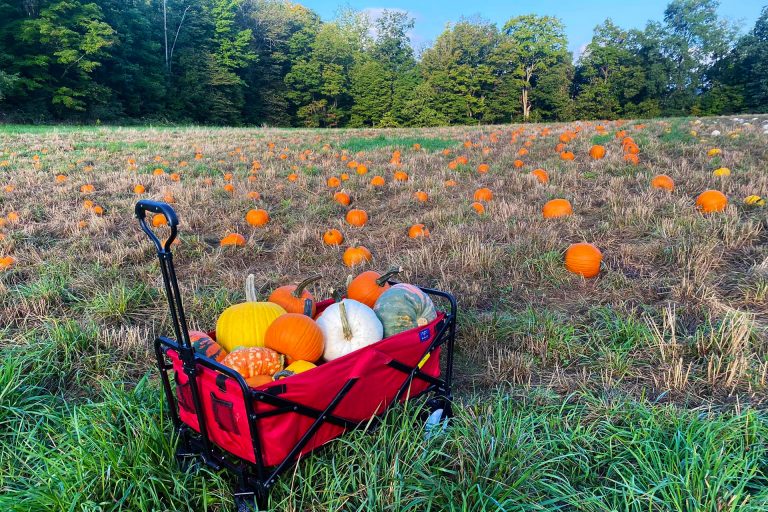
(424, 335)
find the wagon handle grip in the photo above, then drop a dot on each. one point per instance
(145, 205)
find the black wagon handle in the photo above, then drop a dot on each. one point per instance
(146, 205)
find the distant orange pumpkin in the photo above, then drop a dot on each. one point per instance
(583, 259)
(418, 231)
(711, 201)
(333, 237)
(257, 217)
(483, 194)
(233, 239)
(556, 208)
(662, 181)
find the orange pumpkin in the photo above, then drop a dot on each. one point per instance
(541, 175)
(293, 297)
(567, 155)
(632, 158)
(234, 239)
(138, 189)
(583, 259)
(377, 181)
(662, 181)
(483, 194)
(597, 152)
(711, 201)
(401, 176)
(356, 256)
(333, 182)
(253, 362)
(483, 168)
(257, 217)
(556, 208)
(342, 198)
(418, 231)
(478, 207)
(296, 336)
(357, 218)
(333, 237)
(421, 196)
(159, 220)
(361, 169)
(368, 286)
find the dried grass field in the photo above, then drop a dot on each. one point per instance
(643, 388)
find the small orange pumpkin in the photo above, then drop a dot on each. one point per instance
(401, 176)
(421, 196)
(541, 175)
(368, 286)
(418, 231)
(333, 237)
(556, 208)
(662, 181)
(357, 218)
(296, 336)
(483, 194)
(257, 217)
(478, 207)
(342, 198)
(597, 152)
(583, 259)
(333, 182)
(254, 362)
(377, 181)
(293, 297)
(356, 256)
(711, 201)
(233, 239)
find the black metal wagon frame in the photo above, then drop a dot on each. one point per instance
(254, 480)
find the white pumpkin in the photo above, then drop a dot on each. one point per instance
(347, 326)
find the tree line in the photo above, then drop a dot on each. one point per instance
(275, 62)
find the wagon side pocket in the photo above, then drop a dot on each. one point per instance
(224, 415)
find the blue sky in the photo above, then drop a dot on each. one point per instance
(579, 17)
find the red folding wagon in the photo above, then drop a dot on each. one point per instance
(257, 433)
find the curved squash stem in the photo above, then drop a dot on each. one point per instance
(390, 273)
(308, 281)
(250, 288)
(345, 321)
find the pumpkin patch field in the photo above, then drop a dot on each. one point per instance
(612, 282)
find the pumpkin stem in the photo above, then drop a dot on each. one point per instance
(381, 281)
(308, 281)
(345, 321)
(250, 288)
(308, 307)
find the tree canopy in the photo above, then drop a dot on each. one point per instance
(275, 62)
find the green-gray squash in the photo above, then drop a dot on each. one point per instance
(403, 307)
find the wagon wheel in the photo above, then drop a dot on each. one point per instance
(250, 502)
(437, 421)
